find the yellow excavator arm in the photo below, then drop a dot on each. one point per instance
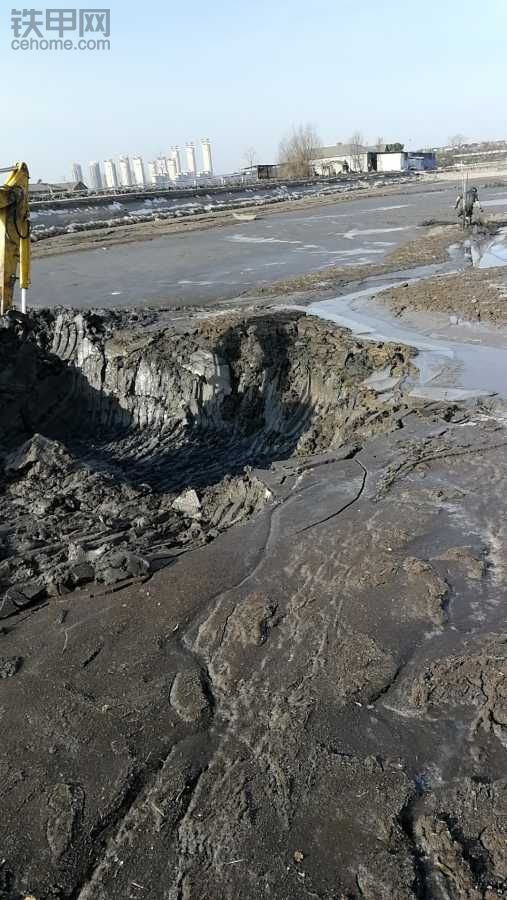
(15, 246)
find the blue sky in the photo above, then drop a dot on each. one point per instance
(243, 73)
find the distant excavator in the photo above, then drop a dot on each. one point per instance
(15, 246)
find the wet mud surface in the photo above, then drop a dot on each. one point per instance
(308, 699)
(125, 441)
(479, 295)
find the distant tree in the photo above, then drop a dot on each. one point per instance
(380, 143)
(356, 151)
(297, 150)
(250, 157)
(457, 140)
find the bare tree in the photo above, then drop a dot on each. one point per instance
(297, 150)
(380, 144)
(356, 151)
(250, 157)
(457, 140)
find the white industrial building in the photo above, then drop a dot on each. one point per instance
(191, 160)
(152, 173)
(163, 171)
(172, 168)
(158, 173)
(110, 174)
(95, 177)
(175, 155)
(138, 171)
(162, 167)
(77, 173)
(207, 162)
(126, 178)
(340, 158)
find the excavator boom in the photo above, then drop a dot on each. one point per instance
(15, 246)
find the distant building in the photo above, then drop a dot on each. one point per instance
(191, 161)
(172, 168)
(423, 161)
(96, 183)
(392, 161)
(161, 164)
(77, 173)
(342, 158)
(175, 154)
(126, 178)
(207, 162)
(138, 171)
(110, 175)
(262, 172)
(152, 173)
(40, 189)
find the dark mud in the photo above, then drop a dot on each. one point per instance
(310, 704)
(125, 441)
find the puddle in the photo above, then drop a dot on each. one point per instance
(354, 232)
(252, 239)
(492, 254)
(453, 362)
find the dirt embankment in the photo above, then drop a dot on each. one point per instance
(476, 295)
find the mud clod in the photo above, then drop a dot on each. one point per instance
(10, 667)
(188, 696)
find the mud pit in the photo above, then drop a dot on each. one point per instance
(124, 441)
(308, 704)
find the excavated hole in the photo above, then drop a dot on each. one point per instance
(124, 442)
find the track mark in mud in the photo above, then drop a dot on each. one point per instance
(344, 508)
(422, 885)
(393, 474)
(391, 683)
(132, 815)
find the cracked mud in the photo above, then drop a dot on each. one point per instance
(253, 637)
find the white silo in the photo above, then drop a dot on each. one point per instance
(175, 154)
(138, 171)
(125, 172)
(152, 173)
(207, 162)
(172, 168)
(162, 166)
(95, 177)
(77, 173)
(110, 175)
(191, 163)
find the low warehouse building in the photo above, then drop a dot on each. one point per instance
(334, 160)
(392, 161)
(342, 158)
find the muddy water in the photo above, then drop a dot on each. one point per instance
(455, 360)
(492, 254)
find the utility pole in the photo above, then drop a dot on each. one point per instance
(465, 190)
